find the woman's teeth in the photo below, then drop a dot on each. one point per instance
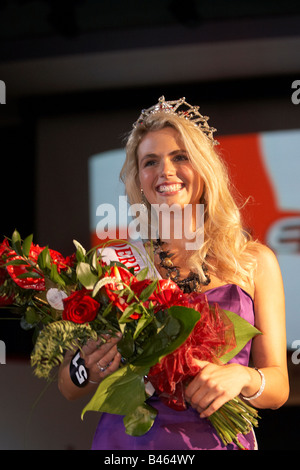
(169, 188)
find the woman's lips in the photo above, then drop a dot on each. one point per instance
(169, 188)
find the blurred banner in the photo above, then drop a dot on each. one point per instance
(264, 167)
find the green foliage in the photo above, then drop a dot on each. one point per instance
(53, 341)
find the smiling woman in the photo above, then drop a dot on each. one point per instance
(171, 160)
(151, 165)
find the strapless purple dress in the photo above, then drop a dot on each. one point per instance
(181, 430)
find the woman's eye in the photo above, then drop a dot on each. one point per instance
(181, 157)
(149, 163)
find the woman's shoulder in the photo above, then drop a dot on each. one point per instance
(264, 256)
(267, 267)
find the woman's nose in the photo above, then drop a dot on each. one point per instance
(166, 167)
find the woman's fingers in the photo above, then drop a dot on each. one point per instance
(100, 349)
(102, 357)
(205, 392)
(111, 366)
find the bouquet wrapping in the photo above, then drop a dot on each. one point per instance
(69, 300)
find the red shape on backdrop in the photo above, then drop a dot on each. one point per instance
(244, 158)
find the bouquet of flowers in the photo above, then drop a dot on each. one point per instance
(69, 300)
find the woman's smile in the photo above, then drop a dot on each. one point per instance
(169, 188)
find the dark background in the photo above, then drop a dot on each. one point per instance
(66, 59)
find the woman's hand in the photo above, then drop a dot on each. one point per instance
(215, 385)
(101, 357)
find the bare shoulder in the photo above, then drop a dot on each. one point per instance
(266, 259)
(267, 274)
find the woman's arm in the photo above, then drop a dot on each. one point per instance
(269, 350)
(215, 385)
(96, 355)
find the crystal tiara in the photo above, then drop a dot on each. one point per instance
(186, 111)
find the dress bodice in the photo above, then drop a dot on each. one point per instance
(233, 298)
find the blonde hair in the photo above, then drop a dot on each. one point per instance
(227, 247)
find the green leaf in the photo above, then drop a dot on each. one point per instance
(140, 421)
(244, 332)
(18, 262)
(16, 243)
(174, 332)
(119, 393)
(126, 344)
(31, 275)
(80, 251)
(85, 275)
(44, 259)
(27, 245)
(94, 261)
(127, 312)
(141, 324)
(55, 277)
(31, 316)
(141, 275)
(107, 309)
(148, 291)
(101, 283)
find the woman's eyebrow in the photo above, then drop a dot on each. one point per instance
(148, 155)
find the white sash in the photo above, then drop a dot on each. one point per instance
(132, 255)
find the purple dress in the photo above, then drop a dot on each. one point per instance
(181, 430)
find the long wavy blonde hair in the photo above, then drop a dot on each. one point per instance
(227, 248)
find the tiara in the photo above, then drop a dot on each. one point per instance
(186, 111)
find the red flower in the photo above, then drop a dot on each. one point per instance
(61, 262)
(26, 283)
(80, 307)
(35, 283)
(121, 275)
(4, 248)
(5, 299)
(166, 294)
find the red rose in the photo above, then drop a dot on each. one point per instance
(80, 307)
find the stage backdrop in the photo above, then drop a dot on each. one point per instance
(265, 167)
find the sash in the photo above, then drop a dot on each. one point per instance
(132, 254)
